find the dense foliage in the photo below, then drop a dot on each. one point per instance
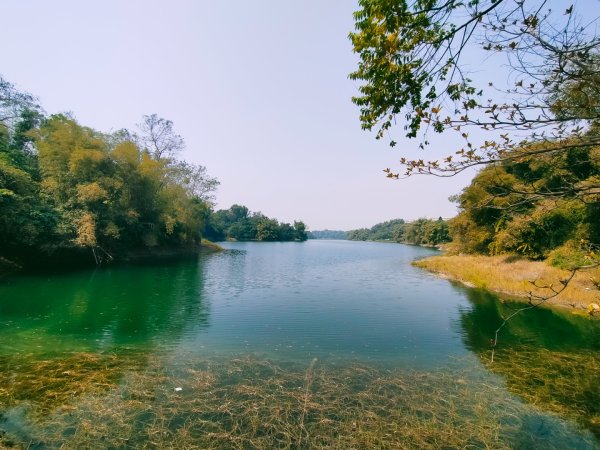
(498, 214)
(238, 223)
(71, 193)
(425, 232)
(65, 187)
(384, 231)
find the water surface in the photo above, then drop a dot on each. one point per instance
(318, 308)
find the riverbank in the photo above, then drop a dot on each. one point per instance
(66, 259)
(514, 276)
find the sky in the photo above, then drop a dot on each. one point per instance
(259, 91)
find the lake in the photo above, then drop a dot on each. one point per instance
(321, 344)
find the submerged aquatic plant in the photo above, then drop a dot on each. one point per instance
(565, 383)
(131, 401)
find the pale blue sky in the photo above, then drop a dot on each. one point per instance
(258, 90)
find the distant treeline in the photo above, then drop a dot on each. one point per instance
(425, 232)
(327, 234)
(240, 224)
(547, 208)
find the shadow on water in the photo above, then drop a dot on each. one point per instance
(549, 358)
(103, 309)
(82, 334)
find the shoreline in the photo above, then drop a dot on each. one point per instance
(70, 259)
(512, 276)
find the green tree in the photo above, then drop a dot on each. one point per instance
(383, 231)
(495, 217)
(300, 231)
(267, 230)
(13, 103)
(285, 232)
(66, 186)
(361, 234)
(26, 222)
(195, 179)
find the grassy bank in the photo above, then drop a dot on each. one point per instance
(514, 276)
(207, 245)
(77, 258)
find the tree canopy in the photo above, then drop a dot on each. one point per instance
(413, 72)
(67, 187)
(240, 224)
(327, 234)
(537, 137)
(426, 232)
(495, 217)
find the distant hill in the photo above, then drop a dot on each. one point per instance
(327, 234)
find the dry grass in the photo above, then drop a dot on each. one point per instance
(513, 276)
(207, 245)
(246, 403)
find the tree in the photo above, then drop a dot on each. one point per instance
(13, 102)
(64, 186)
(195, 179)
(25, 220)
(158, 137)
(300, 231)
(383, 231)
(495, 218)
(412, 69)
(412, 66)
(240, 224)
(285, 232)
(267, 230)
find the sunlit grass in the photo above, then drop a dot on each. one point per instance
(512, 276)
(210, 246)
(130, 401)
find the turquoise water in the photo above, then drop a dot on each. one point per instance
(333, 299)
(340, 302)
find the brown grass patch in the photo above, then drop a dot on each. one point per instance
(513, 276)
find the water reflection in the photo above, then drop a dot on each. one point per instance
(547, 357)
(103, 308)
(541, 327)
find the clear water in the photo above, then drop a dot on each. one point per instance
(337, 301)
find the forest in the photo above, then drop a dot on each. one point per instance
(327, 234)
(240, 224)
(72, 194)
(498, 214)
(425, 232)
